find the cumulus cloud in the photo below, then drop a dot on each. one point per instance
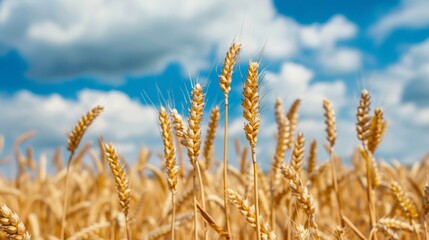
(124, 121)
(296, 81)
(109, 39)
(409, 14)
(324, 38)
(405, 102)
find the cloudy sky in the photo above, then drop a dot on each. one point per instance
(58, 58)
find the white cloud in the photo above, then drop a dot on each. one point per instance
(401, 89)
(337, 28)
(325, 39)
(111, 39)
(295, 81)
(340, 60)
(124, 121)
(409, 14)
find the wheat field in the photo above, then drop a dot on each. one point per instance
(193, 195)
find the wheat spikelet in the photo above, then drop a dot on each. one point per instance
(282, 141)
(375, 173)
(12, 225)
(331, 129)
(79, 130)
(250, 104)
(363, 118)
(249, 212)
(169, 150)
(292, 116)
(193, 136)
(340, 233)
(298, 153)
(395, 224)
(377, 129)
(305, 201)
(279, 112)
(211, 133)
(121, 179)
(228, 65)
(180, 129)
(406, 203)
(301, 233)
(312, 158)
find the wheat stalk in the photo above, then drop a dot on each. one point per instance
(331, 136)
(193, 143)
(73, 141)
(121, 180)
(250, 105)
(170, 160)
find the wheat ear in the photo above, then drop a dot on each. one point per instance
(312, 158)
(180, 132)
(407, 205)
(73, 142)
(363, 118)
(225, 80)
(305, 201)
(121, 180)
(249, 212)
(211, 134)
(331, 136)
(170, 160)
(251, 128)
(363, 124)
(298, 153)
(282, 142)
(193, 143)
(292, 116)
(12, 225)
(377, 129)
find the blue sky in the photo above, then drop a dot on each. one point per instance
(59, 58)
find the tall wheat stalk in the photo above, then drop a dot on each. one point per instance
(193, 144)
(225, 84)
(73, 142)
(363, 125)
(170, 160)
(122, 183)
(331, 136)
(251, 128)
